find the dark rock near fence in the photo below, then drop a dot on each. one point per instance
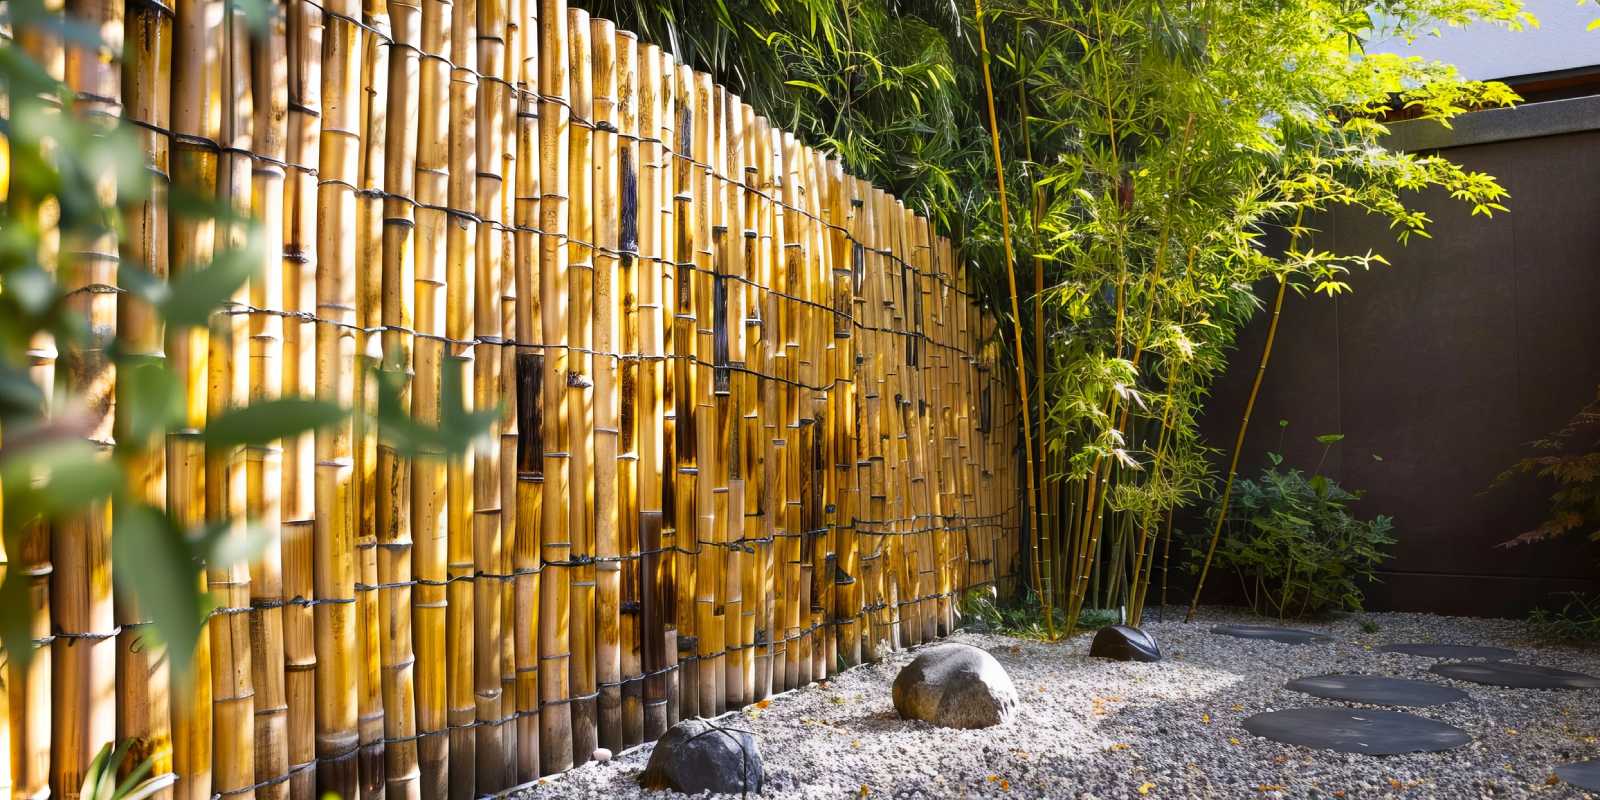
(1124, 643)
(955, 686)
(697, 755)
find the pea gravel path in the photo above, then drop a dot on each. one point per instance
(1097, 729)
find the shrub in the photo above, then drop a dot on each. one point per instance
(1578, 621)
(1295, 546)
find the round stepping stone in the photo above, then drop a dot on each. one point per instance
(1348, 730)
(1449, 650)
(1283, 635)
(1582, 774)
(1376, 690)
(1516, 676)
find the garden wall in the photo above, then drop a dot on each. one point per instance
(1446, 364)
(749, 431)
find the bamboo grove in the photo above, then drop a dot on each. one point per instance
(745, 427)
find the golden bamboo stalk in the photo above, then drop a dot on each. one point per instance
(793, 530)
(460, 275)
(629, 275)
(654, 180)
(392, 505)
(429, 529)
(555, 597)
(144, 713)
(527, 373)
(512, 73)
(606, 400)
(29, 690)
(233, 702)
(489, 534)
(299, 286)
(195, 112)
(711, 482)
(84, 660)
(685, 348)
(761, 519)
(742, 525)
(373, 119)
(580, 382)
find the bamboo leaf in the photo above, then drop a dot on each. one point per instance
(271, 420)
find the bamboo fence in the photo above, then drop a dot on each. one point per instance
(751, 432)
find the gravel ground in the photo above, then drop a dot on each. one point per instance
(1090, 728)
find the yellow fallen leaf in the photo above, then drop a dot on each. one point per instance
(1119, 746)
(1552, 780)
(1206, 718)
(1238, 706)
(1005, 785)
(1271, 787)
(864, 791)
(1144, 788)
(992, 778)
(763, 703)
(856, 743)
(1511, 731)
(1396, 784)
(1233, 740)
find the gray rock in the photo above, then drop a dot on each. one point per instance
(697, 755)
(955, 686)
(1122, 643)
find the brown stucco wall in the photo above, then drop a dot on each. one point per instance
(1444, 365)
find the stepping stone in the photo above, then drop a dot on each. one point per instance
(1449, 651)
(1348, 730)
(1582, 774)
(1283, 635)
(1376, 690)
(1516, 676)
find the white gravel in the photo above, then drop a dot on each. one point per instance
(1090, 728)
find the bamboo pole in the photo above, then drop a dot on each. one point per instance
(708, 556)
(608, 291)
(580, 383)
(490, 524)
(555, 599)
(654, 178)
(528, 375)
(429, 529)
(461, 644)
(196, 116)
(143, 676)
(514, 72)
(393, 520)
(671, 556)
(373, 121)
(760, 427)
(29, 691)
(630, 275)
(333, 534)
(299, 271)
(233, 705)
(685, 349)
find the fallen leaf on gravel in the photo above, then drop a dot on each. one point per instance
(1118, 746)
(1511, 731)
(1144, 788)
(856, 743)
(1396, 784)
(1238, 706)
(763, 703)
(864, 791)
(1552, 780)
(1206, 718)
(1233, 740)
(1271, 787)
(1339, 793)
(1005, 785)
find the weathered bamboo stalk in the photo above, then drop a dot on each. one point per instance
(333, 532)
(144, 712)
(555, 598)
(195, 112)
(607, 401)
(630, 274)
(489, 526)
(685, 349)
(670, 556)
(305, 32)
(402, 772)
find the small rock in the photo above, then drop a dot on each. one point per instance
(602, 755)
(955, 686)
(697, 756)
(1123, 643)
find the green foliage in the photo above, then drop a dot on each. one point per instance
(1577, 621)
(53, 206)
(1025, 617)
(1570, 458)
(100, 781)
(1295, 545)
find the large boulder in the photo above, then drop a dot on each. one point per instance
(1123, 643)
(697, 755)
(955, 686)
